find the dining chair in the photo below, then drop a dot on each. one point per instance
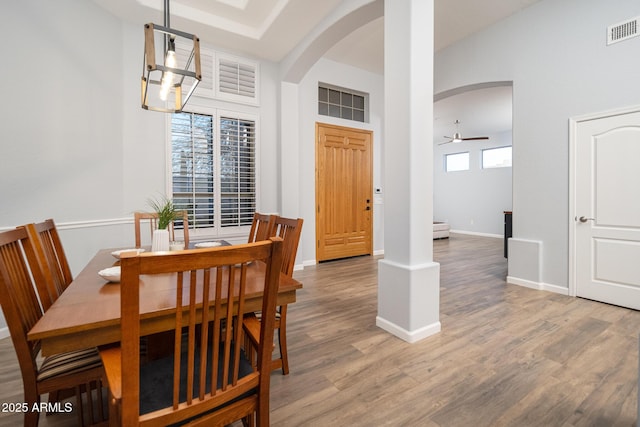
(208, 378)
(261, 227)
(288, 229)
(79, 371)
(48, 258)
(152, 219)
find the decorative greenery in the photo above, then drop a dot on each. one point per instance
(165, 209)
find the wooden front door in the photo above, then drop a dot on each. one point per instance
(344, 197)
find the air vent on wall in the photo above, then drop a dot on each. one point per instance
(623, 31)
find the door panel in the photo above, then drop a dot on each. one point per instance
(343, 192)
(616, 174)
(608, 210)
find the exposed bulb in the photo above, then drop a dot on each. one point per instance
(167, 77)
(170, 59)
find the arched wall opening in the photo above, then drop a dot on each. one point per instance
(473, 200)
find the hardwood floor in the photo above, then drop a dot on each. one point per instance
(506, 356)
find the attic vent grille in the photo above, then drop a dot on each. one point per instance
(623, 31)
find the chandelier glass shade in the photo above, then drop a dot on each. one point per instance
(169, 78)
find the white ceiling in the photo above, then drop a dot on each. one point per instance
(482, 112)
(270, 29)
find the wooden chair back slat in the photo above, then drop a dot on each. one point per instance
(18, 298)
(48, 261)
(209, 336)
(22, 310)
(151, 218)
(289, 230)
(261, 227)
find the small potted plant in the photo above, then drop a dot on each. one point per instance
(166, 211)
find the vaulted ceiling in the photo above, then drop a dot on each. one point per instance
(270, 29)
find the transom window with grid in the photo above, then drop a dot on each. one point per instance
(213, 162)
(343, 103)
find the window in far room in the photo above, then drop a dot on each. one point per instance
(496, 157)
(456, 162)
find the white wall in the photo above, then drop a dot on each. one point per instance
(61, 118)
(76, 146)
(334, 73)
(62, 87)
(85, 153)
(556, 55)
(473, 200)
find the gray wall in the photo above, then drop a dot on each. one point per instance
(556, 55)
(472, 201)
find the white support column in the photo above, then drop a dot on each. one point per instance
(408, 278)
(289, 150)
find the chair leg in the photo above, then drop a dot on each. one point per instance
(79, 406)
(282, 340)
(31, 417)
(114, 411)
(54, 396)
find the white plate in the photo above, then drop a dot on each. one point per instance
(207, 245)
(116, 254)
(112, 274)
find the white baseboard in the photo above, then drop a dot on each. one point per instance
(4, 333)
(408, 336)
(312, 262)
(539, 286)
(475, 233)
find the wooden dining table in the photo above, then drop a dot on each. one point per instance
(87, 313)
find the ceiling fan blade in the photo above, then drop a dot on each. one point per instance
(446, 142)
(476, 138)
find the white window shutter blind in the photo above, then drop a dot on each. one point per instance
(205, 88)
(237, 170)
(237, 79)
(214, 161)
(193, 167)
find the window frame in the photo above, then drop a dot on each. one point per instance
(217, 230)
(446, 163)
(341, 104)
(482, 165)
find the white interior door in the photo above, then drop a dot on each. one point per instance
(607, 209)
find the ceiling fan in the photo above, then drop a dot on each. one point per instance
(458, 138)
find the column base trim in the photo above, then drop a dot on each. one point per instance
(408, 336)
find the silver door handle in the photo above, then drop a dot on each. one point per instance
(585, 219)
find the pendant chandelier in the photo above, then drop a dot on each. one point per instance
(168, 83)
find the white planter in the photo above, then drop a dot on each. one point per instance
(160, 241)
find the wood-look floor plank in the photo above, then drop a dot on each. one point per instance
(506, 356)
